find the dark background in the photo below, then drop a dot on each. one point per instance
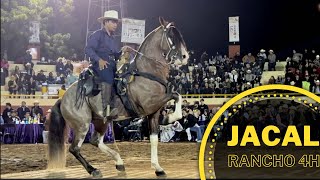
(270, 24)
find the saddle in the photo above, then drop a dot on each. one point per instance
(89, 82)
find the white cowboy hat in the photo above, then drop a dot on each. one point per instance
(111, 14)
(262, 50)
(270, 50)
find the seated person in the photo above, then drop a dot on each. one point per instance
(189, 122)
(14, 118)
(134, 125)
(167, 132)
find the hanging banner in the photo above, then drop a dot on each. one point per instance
(234, 29)
(35, 32)
(133, 31)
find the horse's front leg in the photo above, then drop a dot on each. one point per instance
(154, 131)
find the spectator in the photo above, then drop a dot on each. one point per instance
(28, 58)
(248, 58)
(272, 61)
(261, 59)
(60, 66)
(60, 79)
(298, 82)
(50, 79)
(6, 114)
(272, 80)
(189, 122)
(71, 78)
(68, 67)
(33, 86)
(61, 91)
(5, 67)
(14, 118)
(12, 84)
(22, 110)
(41, 77)
(27, 119)
(46, 120)
(296, 57)
(36, 110)
(306, 84)
(316, 88)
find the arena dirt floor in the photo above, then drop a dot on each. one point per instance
(179, 160)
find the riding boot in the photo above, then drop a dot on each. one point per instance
(107, 104)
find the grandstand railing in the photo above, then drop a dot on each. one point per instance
(19, 96)
(188, 96)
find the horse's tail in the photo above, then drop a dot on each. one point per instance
(56, 138)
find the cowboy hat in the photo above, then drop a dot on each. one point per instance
(270, 50)
(262, 50)
(111, 14)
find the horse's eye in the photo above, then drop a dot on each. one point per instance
(184, 56)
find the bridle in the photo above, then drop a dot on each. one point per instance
(171, 55)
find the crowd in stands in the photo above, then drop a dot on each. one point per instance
(26, 81)
(302, 70)
(217, 74)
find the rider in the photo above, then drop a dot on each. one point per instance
(103, 52)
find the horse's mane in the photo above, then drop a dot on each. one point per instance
(177, 37)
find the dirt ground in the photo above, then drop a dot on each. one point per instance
(30, 157)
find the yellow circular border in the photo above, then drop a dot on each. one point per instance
(234, 100)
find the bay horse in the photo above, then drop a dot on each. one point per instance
(161, 48)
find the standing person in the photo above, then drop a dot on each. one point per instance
(6, 114)
(22, 110)
(103, 52)
(36, 110)
(272, 61)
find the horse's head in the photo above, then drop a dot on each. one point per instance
(172, 44)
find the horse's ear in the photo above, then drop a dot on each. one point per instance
(162, 21)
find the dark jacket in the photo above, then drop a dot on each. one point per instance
(102, 46)
(22, 111)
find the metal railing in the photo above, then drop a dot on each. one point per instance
(22, 96)
(187, 96)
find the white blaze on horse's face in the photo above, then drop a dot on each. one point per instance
(184, 58)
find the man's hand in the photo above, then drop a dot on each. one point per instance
(103, 64)
(125, 48)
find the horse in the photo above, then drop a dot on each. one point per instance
(148, 93)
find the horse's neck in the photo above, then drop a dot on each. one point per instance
(150, 49)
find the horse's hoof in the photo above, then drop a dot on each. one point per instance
(120, 168)
(161, 174)
(96, 173)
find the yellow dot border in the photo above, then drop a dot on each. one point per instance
(236, 99)
(256, 99)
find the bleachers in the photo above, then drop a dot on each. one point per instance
(77, 67)
(280, 71)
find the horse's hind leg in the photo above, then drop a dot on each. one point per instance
(79, 136)
(97, 140)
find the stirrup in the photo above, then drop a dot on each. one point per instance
(109, 115)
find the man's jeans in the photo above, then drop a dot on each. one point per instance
(196, 128)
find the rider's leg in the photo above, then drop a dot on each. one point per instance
(106, 95)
